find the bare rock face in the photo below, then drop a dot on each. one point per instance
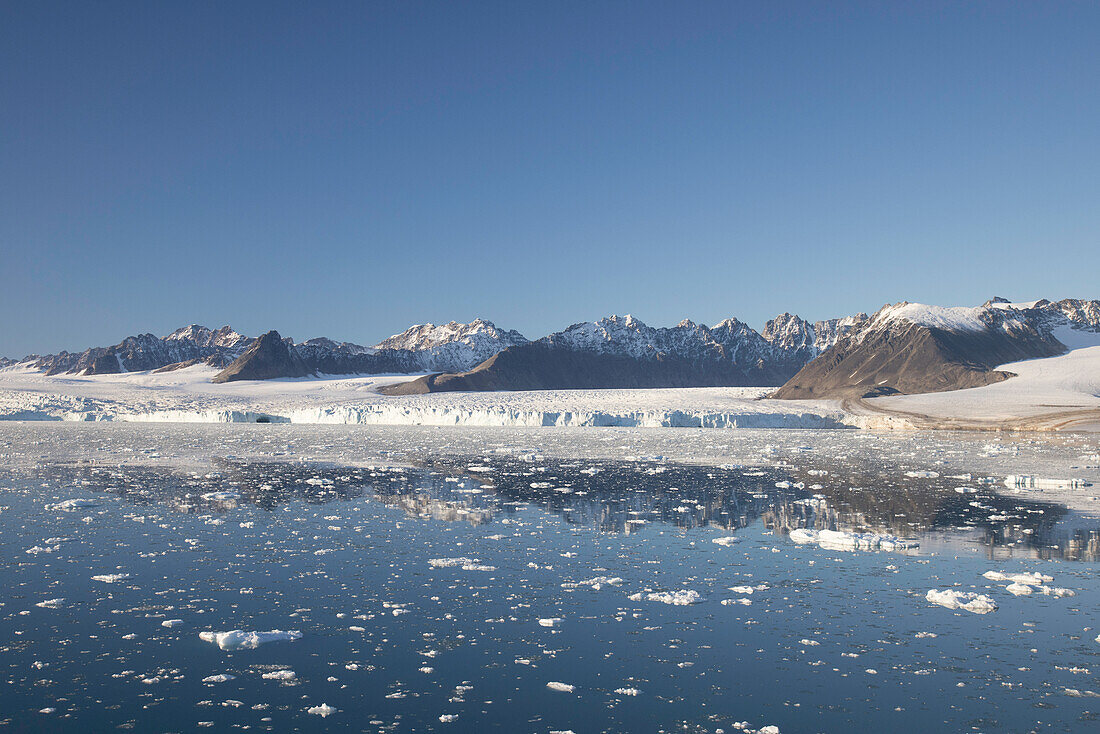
(268, 357)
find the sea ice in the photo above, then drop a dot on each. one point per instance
(965, 600)
(840, 540)
(219, 678)
(239, 639)
(111, 578)
(681, 598)
(563, 687)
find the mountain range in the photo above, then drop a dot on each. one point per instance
(902, 348)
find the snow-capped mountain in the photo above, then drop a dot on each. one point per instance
(452, 346)
(913, 347)
(201, 336)
(622, 351)
(424, 348)
(190, 344)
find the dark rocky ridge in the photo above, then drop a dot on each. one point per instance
(888, 357)
(268, 357)
(544, 366)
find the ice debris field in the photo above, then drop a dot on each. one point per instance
(286, 578)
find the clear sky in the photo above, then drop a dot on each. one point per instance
(348, 169)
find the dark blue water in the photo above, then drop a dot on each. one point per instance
(831, 641)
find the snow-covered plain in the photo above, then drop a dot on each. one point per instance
(1056, 392)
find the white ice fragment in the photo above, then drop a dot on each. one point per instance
(51, 603)
(448, 718)
(1031, 579)
(965, 600)
(324, 710)
(75, 504)
(219, 678)
(111, 578)
(681, 598)
(726, 541)
(1019, 589)
(595, 584)
(1015, 481)
(169, 623)
(239, 639)
(221, 496)
(841, 540)
(280, 675)
(627, 691)
(563, 687)
(550, 622)
(451, 562)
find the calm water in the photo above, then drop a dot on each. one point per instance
(441, 580)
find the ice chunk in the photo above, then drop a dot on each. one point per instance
(76, 504)
(965, 600)
(563, 687)
(324, 710)
(219, 678)
(169, 623)
(681, 598)
(726, 541)
(1021, 481)
(221, 496)
(280, 675)
(1031, 579)
(840, 540)
(239, 639)
(111, 578)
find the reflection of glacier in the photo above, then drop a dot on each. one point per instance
(629, 497)
(421, 504)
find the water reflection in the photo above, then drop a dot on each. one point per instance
(630, 496)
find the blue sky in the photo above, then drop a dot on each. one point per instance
(348, 169)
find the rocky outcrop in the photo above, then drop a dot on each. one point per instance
(911, 348)
(269, 357)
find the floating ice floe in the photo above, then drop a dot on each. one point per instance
(840, 540)
(75, 504)
(111, 578)
(221, 496)
(681, 598)
(627, 691)
(169, 623)
(1031, 579)
(51, 603)
(966, 600)
(324, 710)
(239, 639)
(550, 622)
(219, 678)
(595, 584)
(1023, 481)
(451, 562)
(280, 675)
(726, 541)
(563, 687)
(922, 474)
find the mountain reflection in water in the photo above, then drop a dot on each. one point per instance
(629, 496)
